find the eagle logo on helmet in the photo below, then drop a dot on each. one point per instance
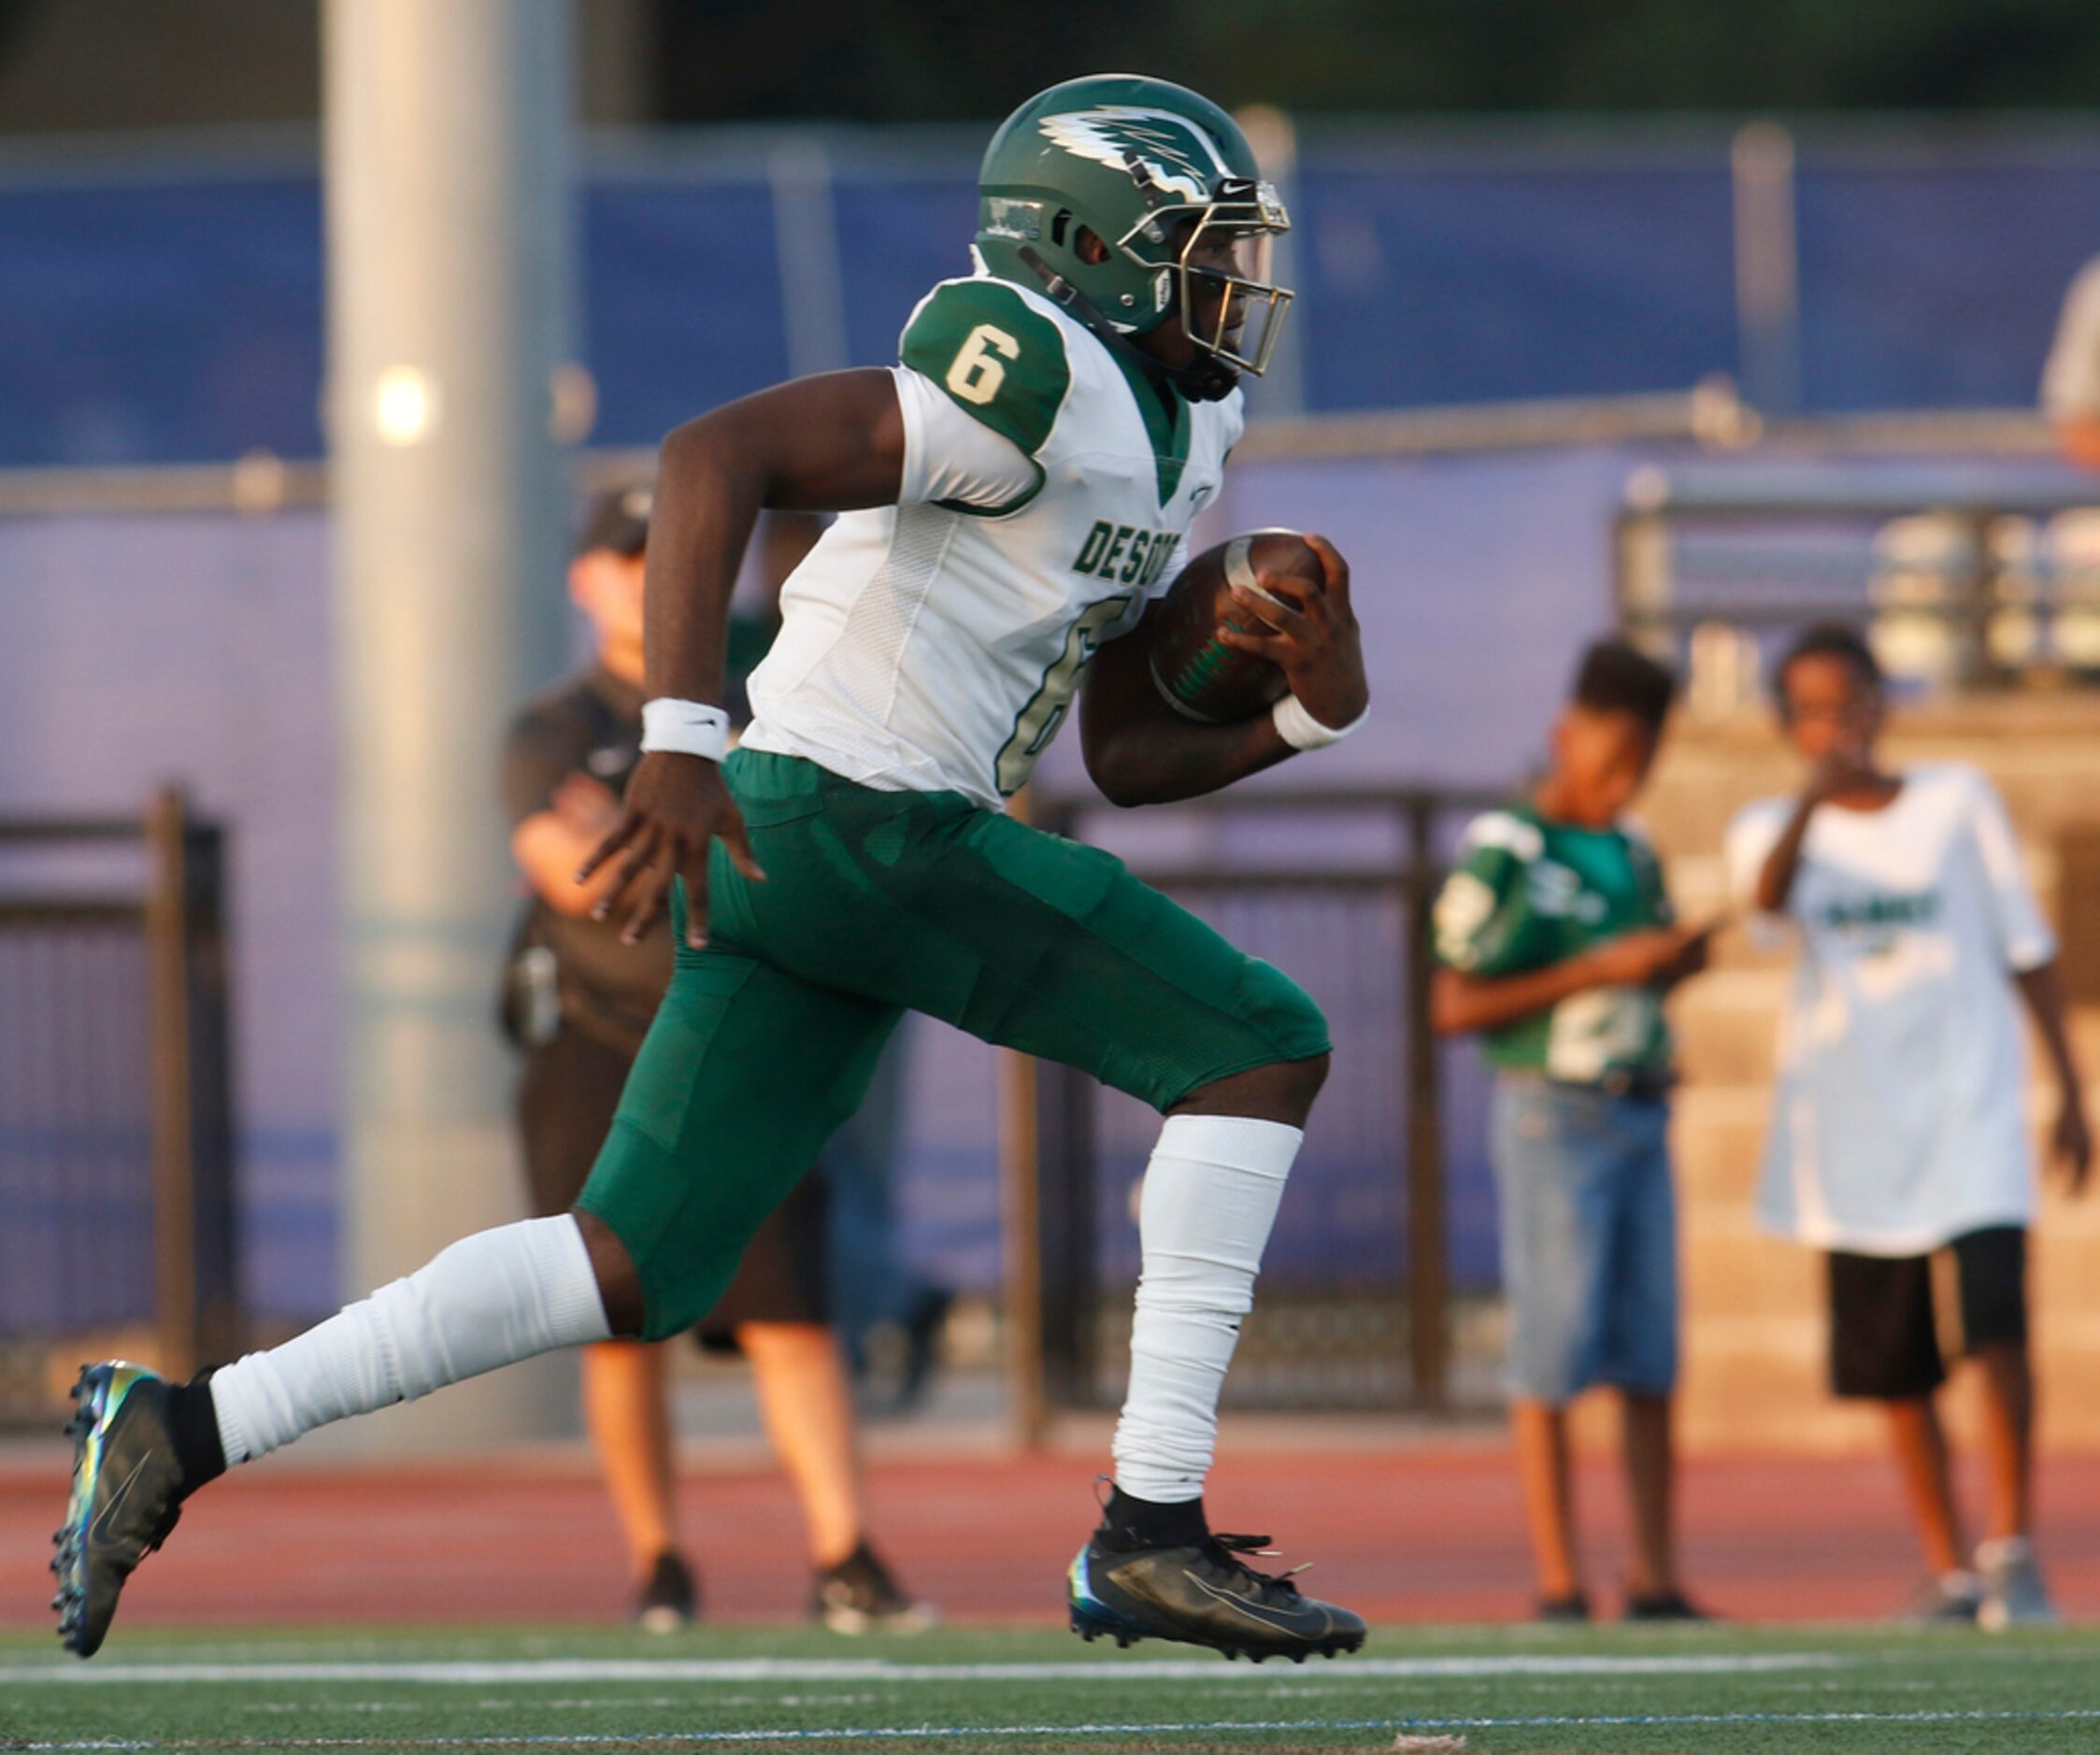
(1154, 146)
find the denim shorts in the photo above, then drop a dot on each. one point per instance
(1588, 1238)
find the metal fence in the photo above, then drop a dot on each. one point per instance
(1357, 1291)
(117, 1219)
(1968, 575)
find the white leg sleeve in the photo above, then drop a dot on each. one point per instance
(1210, 1196)
(489, 1300)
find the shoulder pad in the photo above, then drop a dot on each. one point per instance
(997, 359)
(1505, 832)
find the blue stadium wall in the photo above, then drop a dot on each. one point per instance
(174, 313)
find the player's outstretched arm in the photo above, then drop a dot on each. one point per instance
(1140, 752)
(835, 443)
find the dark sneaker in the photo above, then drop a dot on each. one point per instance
(669, 1602)
(2013, 1592)
(1203, 1594)
(1952, 1600)
(127, 1490)
(860, 1595)
(1562, 1610)
(1663, 1605)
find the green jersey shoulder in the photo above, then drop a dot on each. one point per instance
(999, 360)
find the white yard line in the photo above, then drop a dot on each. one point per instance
(1003, 1732)
(570, 1671)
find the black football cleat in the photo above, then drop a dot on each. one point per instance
(1203, 1594)
(127, 1489)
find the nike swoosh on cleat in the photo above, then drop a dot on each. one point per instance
(1257, 1616)
(99, 1530)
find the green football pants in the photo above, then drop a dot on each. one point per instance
(875, 904)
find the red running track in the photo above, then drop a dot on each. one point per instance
(1414, 1534)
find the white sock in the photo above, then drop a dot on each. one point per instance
(1210, 1196)
(489, 1300)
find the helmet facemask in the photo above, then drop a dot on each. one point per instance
(1225, 275)
(1212, 265)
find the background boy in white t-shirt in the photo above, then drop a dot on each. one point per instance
(1899, 1125)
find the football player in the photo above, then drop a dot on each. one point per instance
(1016, 494)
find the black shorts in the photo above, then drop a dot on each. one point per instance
(1884, 1327)
(565, 1102)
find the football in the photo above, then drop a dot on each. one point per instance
(1200, 676)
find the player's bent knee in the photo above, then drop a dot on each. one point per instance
(1285, 1012)
(619, 1283)
(1279, 1020)
(1281, 1091)
(1308, 1077)
(1301, 1080)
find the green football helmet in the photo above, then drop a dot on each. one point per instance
(1168, 183)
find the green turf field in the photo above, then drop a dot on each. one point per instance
(1687, 1692)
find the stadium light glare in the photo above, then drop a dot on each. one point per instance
(404, 405)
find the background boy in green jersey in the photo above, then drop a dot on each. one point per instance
(1557, 942)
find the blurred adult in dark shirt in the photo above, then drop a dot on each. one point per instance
(578, 1001)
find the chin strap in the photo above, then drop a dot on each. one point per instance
(1206, 378)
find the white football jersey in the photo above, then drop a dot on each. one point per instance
(935, 645)
(1899, 1114)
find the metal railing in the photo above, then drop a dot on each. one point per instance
(1711, 415)
(117, 1217)
(1971, 576)
(1355, 1310)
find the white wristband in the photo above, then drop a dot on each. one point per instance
(1301, 731)
(686, 728)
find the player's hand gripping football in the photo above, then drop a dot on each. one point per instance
(1313, 638)
(676, 808)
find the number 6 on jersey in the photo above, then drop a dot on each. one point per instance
(979, 365)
